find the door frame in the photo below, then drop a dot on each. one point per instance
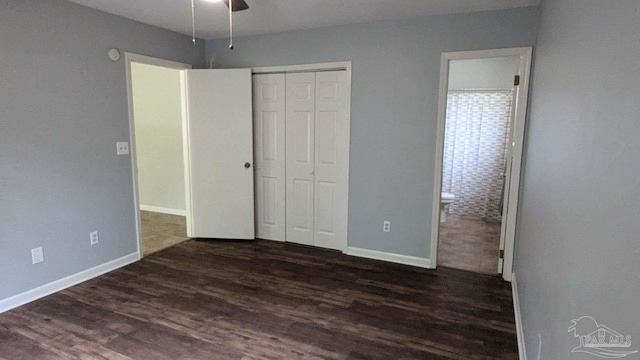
(283, 69)
(148, 60)
(319, 67)
(519, 123)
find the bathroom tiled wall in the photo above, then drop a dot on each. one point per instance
(476, 137)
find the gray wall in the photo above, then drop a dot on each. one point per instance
(63, 106)
(396, 67)
(578, 245)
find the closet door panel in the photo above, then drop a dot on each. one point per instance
(326, 205)
(331, 160)
(326, 135)
(269, 139)
(300, 157)
(302, 126)
(301, 213)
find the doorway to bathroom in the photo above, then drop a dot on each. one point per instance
(480, 132)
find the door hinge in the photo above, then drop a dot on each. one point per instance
(516, 80)
(501, 254)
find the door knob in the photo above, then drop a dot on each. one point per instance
(247, 165)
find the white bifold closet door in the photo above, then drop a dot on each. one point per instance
(317, 158)
(301, 123)
(331, 181)
(269, 143)
(300, 145)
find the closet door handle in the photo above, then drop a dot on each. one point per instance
(247, 165)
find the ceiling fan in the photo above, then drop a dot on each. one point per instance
(235, 5)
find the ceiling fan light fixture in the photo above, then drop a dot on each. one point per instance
(238, 5)
(233, 5)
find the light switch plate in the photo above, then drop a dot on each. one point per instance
(122, 148)
(37, 255)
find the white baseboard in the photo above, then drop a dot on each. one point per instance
(58, 285)
(516, 308)
(163, 210)
(394, 258)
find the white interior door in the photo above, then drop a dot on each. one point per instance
(269, 141)
(505, 227)
(300, 120)
(218, 141)
(331, 160)
(505, 207)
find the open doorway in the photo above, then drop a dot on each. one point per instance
(157, 151)
(483, 98)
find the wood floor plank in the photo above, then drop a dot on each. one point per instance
(267, 300)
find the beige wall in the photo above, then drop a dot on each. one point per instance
(158, 129)
(482, 74)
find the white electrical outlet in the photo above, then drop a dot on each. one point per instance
(93, 236)
(37, 255)
(122, 148)
(386, 226)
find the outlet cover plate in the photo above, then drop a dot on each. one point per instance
(93, 236)
(122, 148)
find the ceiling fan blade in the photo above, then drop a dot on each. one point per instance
(238, 5)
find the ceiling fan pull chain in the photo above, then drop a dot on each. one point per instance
(193, 21)
(230, 24)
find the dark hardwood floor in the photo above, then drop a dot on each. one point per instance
(266, 300)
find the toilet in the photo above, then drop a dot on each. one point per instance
(445, 200)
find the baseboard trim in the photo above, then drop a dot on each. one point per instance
(163, 210)
(58, 285)
(390, 257)
(516, 308)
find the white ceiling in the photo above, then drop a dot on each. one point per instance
(269, 16)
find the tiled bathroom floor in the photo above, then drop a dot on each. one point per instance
(469, 243)
(160, 231)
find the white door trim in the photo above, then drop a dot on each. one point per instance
(524, 54)
(143, 59)
(330, 66)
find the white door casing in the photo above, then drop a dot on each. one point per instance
(504, 225)
(269, 145)
(129, 59)
(300, 158)
(218, 141)
(331, 160)
(518, 133)
(513, 173)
